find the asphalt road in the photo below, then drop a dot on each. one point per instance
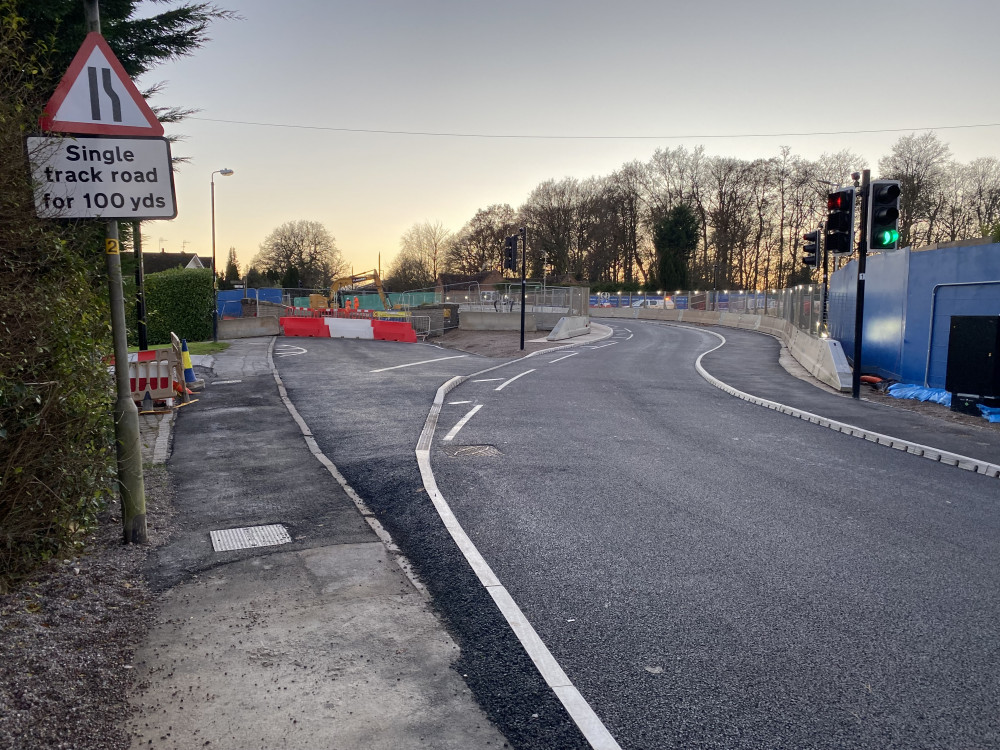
(707, 572)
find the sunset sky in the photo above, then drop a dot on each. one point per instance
(370, 117)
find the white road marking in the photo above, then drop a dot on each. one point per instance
(414, 364)
(576, 705)
(226, 382)
(289, 350)
(462, 422)
(508, 382)
(567, 356)
(487, 380)
(458, 403)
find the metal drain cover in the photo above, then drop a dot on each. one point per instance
(249, 537)
(459, 451)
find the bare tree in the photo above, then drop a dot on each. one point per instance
(983, 182)
(478, 246)
(426, 241)
(305, 246)
(920, 163)
(549, 215)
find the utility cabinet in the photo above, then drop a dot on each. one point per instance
(973, 373)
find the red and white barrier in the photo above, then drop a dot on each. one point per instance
(350, 328)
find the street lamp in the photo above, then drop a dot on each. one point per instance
(215, 302)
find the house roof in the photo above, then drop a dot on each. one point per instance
(164, 261)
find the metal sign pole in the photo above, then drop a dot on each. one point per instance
(126, 416)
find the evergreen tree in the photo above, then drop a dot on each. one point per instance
(675, 238)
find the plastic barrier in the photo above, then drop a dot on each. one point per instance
(152, 372)
(392, 330)
(304, 327)
(349, 328)
(364, 327)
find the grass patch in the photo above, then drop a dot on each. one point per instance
(196, 347)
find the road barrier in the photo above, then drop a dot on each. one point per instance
(349, 328)
(151, 374)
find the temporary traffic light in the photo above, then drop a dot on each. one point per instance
(883, 215)
(840, 222)
(811, 248)
(510, 253)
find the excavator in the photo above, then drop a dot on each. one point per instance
(354, 279)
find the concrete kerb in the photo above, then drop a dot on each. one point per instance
(823, 358)
(401, 560)
(924, 451)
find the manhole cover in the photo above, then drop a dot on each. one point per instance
(459, 451)
(249, 537)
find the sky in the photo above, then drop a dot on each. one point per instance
(485, 100)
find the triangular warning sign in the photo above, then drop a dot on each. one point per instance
(97, 97)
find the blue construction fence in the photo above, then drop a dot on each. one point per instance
(230, 303)
(910, 298)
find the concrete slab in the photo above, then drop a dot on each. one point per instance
(328, 647)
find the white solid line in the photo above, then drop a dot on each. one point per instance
(462, 422)
(458, 403)
(580, 711)
(414, 364)
(975, 465)
(508, 382)
(487, 380)
(226, 382)
(567, 356)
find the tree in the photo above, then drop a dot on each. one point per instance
(232, 267)
(231, 276)
(56, 440)
(478, 246)
(407, 273)
(307, 247)
(425, 243)
(675, 238)
(920, 163)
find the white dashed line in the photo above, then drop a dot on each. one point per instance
(508, 382)
(462, 422)
(414, 364)
(567, 356)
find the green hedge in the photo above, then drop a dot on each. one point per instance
(178, 301)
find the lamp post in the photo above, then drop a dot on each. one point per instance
(215, 303)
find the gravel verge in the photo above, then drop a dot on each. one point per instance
(68, 634)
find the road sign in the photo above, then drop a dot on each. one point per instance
(97, 97)
(102, 178)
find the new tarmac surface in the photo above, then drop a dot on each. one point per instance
(325, 642)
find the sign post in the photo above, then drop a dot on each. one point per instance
(125, 173)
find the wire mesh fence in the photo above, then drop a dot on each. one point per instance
(802, 306)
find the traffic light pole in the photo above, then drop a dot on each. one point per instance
(524, 293)
(826, 281)
(859, 310)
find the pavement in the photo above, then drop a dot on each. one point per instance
(331, 644)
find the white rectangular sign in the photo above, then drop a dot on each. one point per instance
(102, 178)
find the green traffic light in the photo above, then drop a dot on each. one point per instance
(887, 237)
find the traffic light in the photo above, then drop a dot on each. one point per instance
(840, 222)
(510, 253)
(883, 215)
(811, 248)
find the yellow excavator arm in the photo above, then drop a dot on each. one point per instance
(359, 278)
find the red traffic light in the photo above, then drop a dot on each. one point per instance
(842, 200)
